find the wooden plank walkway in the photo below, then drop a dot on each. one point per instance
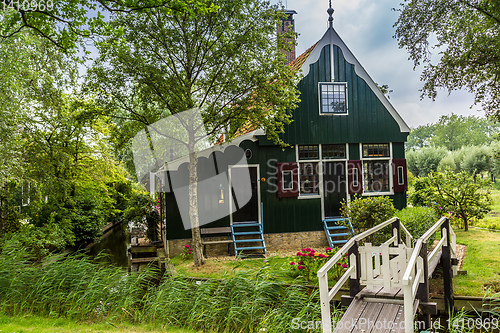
(374, 311)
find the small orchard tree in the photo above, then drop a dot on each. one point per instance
(458, 193)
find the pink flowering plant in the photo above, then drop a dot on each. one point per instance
(307, 262)
(187, 252)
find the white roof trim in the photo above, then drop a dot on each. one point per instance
(174, 165)
(332, 38)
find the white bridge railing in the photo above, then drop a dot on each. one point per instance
(359, 262)
(391, 265)
(416, 272)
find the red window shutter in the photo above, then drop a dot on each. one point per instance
(400, 177)
(288, 171)
(355, 176)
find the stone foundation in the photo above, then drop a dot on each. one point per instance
(283, 243)
(295, 241)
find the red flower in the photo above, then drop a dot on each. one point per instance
(338, 263)
(344, 265)
(299, 254)
(186, 246)
(292, 263)
(311, 254)
(300, 267)
(328, 249)
(346, 254)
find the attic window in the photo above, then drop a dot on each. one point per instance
(333, 98)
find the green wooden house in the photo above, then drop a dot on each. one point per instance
(346, 139)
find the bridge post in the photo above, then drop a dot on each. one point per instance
(354, 285)
(423, 288)
(447, 269)
(396, 229)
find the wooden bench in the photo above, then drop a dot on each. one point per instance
(216, 232)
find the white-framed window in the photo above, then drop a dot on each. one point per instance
(376, 168)
(287, 179)
(333, 98)
(310, 159)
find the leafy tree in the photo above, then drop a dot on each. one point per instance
(458, 193)
(477, 161)
(420, 136)
(9, 210)
(448, 162)
(65, 23)
(228, 63)
(454, 131)
(385, 90)
(467, 35)
(424, 161)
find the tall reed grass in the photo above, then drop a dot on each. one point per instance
(80, 288)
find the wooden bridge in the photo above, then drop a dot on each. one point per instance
(395, 276)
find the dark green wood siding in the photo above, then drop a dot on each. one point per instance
(367, 121)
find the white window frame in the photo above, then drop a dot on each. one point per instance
(355, 179)
(385, 158)
(321, 113)
(401, 176)
(283, 179)
(320, 161)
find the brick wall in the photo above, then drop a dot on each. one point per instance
(282, 242)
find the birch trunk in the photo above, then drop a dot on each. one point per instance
(199, 259)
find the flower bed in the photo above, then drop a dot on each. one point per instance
(307, 262)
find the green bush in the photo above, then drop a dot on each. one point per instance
(366, 212)
(417, 220)
(415, 193)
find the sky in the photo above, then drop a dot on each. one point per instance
(366, 27)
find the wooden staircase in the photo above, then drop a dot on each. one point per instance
(247, 236)
(142, 255)
(337, 233)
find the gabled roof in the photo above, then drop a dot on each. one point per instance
(299, 61)
(332, 38)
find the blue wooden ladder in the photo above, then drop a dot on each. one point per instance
(337, 233)
(248, 236)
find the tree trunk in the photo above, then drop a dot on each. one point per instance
(466, 222)
(199, 259)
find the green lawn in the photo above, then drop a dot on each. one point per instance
(36, 324)
(492, 219)
(217, 268)
(482, 259)
(482, 262)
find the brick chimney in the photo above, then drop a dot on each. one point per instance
(287, 24)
